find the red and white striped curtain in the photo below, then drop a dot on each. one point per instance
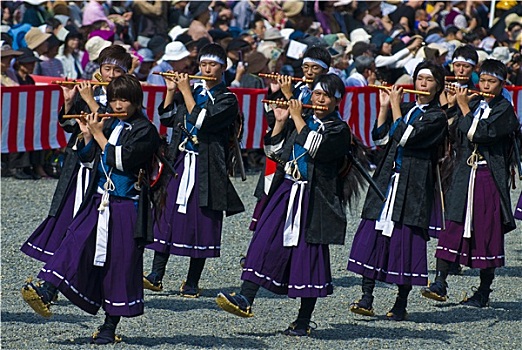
(30, 115)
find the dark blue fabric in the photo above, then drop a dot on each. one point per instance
(398, 156)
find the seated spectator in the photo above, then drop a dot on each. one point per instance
(70, 55)
(365, 67)
(94, 46)
(255, 63)
(147, 61)
(50, 66)
(201, 16)
(8, 74)
(176, 58)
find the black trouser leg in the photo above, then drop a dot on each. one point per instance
(112, 320)
(443, 267)
(486, 279)
(305, 312)
(404, 290)
(195, 269)
(249, 291)
(368, 286)
(159, 264)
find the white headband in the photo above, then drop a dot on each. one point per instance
(211, 58)
(493, 75)
(116, 63)
(462, 59)
(320, 87)
(425, 71)
(316, 61)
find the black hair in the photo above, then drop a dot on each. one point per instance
(213, 50)
(513, 25)
(494, 66)
(466, 51)
(331, 84)
(127, 87)
(53, 22)
(436, 70)
(319, 53)
(115, 53)
(452, 30)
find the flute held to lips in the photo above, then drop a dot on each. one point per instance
(275, 76)
(200, 77)
(417, 92)
(452, 87)
(103, 115)
(74, 82)
(285, 103)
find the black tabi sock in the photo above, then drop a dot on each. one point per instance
(486, 279)
(112, 320)
(305, 312)
(443, 267)
(50, 288)
(368, 285)
(195, 269)
(159, 264)
(249, 291)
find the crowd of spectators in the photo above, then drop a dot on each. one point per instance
(370, 41)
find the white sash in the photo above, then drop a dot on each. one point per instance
(293, 222)
(385, 222)
(187, 181)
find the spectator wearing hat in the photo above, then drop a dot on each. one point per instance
(255, 63)
(24, 66)
(146, 62)
(93, 14)
(50, 65)
(200, 11)
(176, 58)
(94, 46)
(158, 43)
(70, 55)
(37, 40)
(274, 35)
(151, 19)
(8, 74)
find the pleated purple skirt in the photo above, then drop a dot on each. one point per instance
(399, 259)
(518, 209)
(485, 248)
(45, 240)
(117, 287)
(197, 233)
(302, 271)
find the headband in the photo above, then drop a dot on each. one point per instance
(462, 59)
(319, 86)
(493, 75)
(316, 61)
(213, 58)
(115, 62)
(425, 71)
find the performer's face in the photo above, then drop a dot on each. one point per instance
(462, 69)
(122, 105)
(311, 70)
(490, 84)
(321, 98)
(427, 83)
(211, 68)
(110, 71)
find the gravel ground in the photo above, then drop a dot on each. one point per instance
(174, 322)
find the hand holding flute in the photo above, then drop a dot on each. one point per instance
(416, 92)
(176, 74)
(451, 87)
(101, 115)
(286, 103)
(75, 82)
(276, 76)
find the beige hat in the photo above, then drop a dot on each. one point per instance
(512, 18)
(34, 38)
(7, 50)
(95, 45)
(292, 8)
(443, 49)
(273, 34)
(360, 34)
(501, 53)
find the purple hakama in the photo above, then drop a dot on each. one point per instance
(399, 259)
(485, 248)
(197, 233)
(518, 209)
(298, 271)
(117, 286)
(436, 217)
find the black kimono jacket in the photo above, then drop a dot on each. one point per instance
(139, 143)
(414, 198)
(71, 165)
(326, 217)
(493, 135)
(215, 188)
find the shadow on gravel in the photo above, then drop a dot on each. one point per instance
(31, 317)
(357, 331)
(509, 271)
(347, 281)
(454, 313)
(185, 340)
(175, 302)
